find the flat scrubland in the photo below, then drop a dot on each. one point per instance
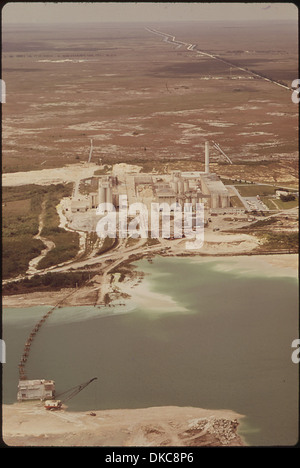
(143, 100)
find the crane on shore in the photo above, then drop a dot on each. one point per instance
(68, 394)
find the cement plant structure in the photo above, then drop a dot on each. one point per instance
(177, 187)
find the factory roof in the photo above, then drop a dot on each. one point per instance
(165, 193)
(213, 183)
(191, 174)
(143, 179)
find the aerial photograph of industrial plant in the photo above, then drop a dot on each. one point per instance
(150, 227)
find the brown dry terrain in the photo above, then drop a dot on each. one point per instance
(30, 424)
(143, 99)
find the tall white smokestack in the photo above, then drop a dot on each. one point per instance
(206, 157)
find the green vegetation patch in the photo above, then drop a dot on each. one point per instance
(47, 282)
(132, 241)
(270, 203)
(21, 207)
(66, 242)
(286, 204)
(279, 204)
(281, 241)
(236, 202)
(108, 244)
(251, 190)
(261, 223)
(17, 253)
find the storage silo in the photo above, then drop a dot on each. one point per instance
(186, 186)
(180, 186)
(109, 197)
(101, 192)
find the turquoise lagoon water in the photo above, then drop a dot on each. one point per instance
(225, 343)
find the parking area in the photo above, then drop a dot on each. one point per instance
(255, 203)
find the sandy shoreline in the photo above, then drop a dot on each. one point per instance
(274, 265)
(29, 424)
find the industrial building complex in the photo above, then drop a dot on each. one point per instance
(175, 188)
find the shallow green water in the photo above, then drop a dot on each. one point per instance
(230, 349)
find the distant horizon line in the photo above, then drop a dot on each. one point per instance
(76, 23)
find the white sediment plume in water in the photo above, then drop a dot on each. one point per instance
(152, 302)
(285, 265)
(83, 313)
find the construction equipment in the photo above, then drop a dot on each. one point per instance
(57, 404)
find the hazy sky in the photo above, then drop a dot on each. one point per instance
(48, 12)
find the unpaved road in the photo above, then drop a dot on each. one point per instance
(49, 245)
